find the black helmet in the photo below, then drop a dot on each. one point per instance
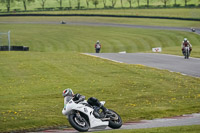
(68, 92)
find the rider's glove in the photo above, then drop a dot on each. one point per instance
(77, 101)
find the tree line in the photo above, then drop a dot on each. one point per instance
(7, 3)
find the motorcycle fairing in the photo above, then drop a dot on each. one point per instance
(94, 122)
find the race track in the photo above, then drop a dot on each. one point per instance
(135, 26)
(172, 63)
(191, 119)
(104, 24)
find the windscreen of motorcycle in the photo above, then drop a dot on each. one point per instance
(67, 99)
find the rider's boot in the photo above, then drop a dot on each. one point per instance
(183, 52)
(96, 114)
(105, 110)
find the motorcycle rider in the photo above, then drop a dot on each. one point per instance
(97, 46)
(78, 98)
(186, 43)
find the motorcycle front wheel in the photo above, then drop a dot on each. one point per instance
(187, 53)
(79, 124)
(116, 121)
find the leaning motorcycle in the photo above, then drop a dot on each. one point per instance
(187, 52)
(83, 116)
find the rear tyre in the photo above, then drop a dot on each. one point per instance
(80, 125)
(116, 121)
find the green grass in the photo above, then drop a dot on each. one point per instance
(178, 129)
(52, 3)
(175, 12)
(182, 13)
(63, 38)
(134, 21)
(31, 83)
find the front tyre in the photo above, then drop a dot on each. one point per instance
(78, 122)
(116, 121)
(187, 53)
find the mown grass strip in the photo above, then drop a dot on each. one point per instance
(134, 21)
(63, 38)
(178, 129)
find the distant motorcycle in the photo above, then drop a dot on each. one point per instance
(193, 30)
(83, 116)
(187, 52)
(62, 22)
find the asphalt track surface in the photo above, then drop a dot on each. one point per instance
(184, 120)
(105, 24)
(172, 63)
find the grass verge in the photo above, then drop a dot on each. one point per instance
(178, 129)
(32, 83)
(133, 21)
(63, 38)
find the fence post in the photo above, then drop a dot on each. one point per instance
(8, 40)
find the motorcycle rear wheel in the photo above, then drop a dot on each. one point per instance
(115, 124)
(81, 126)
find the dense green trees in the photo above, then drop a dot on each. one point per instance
(186, 1)
(79, 4)
(7, 3)
(43, 3)
(25, 3)
(60, 2)
(104, 3)
(130, 3)
(113, 3)
(138, 2)
(165, 2)
(147, 3)
(95, 2)
(87, 2)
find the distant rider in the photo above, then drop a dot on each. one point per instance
(78, 98)
(97, 46)
(186, 43)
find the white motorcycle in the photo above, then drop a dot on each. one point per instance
(187, 52)
(83, 116)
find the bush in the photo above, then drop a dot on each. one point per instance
(60, 8)
(191, 5)
(67, 8)
(39, 9)
(80, 7)
(49, 9)
(16, 10)
(160, 6)
(106, 7)
(176, 5)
